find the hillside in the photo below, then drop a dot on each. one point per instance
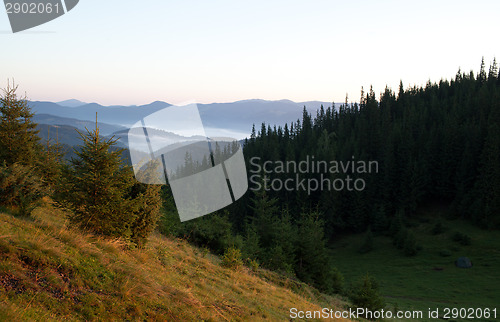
(49, 271)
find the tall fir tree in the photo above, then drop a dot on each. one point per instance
(311, 251)
(21, 187)
(102, 194)
(18, 135)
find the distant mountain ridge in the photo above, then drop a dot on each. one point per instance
(71, 103)
(219, 119)
(118, 115)
(104, 128)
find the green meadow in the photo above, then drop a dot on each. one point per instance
(429, 279)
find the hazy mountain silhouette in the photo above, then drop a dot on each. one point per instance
(71, 103)
(104, 128)
(235, 118)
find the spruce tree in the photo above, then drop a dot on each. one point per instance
(488, 183)
(147, 213)
(365, 294)
(251, 246)
(49, 160)
(311, 251)
(264, 216)
(481, 77)
(21, 187)
(367, 245)
(281, 255)
(103, 195)
(18, 134)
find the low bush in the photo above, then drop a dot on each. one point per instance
(438, 228)
(407, 242)
(21, 189)
(367, 245)
(444, 253)
(232, 258)
(461, 238)
(365, 294)
(336, 281)
(252, 264)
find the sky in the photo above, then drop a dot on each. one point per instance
(123, 52)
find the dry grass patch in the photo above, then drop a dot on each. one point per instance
(51, 271)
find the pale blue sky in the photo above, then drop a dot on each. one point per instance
(134, 52)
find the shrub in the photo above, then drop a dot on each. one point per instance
(400, 238)
(336, 281)
(410, 246)
(49, 163)
(397, 223)
(212, 231)
(252, 264)
(251, 244)
(380, 222)
(232, 258)
(438, 228)
(406, 241)
(146, 214)
(365, 294)
(444, 253)
(20, 188)
(169, 223)
(462, 238)
(277, 260)
(367, 245)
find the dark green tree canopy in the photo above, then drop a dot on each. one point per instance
(18, 135)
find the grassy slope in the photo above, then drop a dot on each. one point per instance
(429, 280)
(49, 271)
